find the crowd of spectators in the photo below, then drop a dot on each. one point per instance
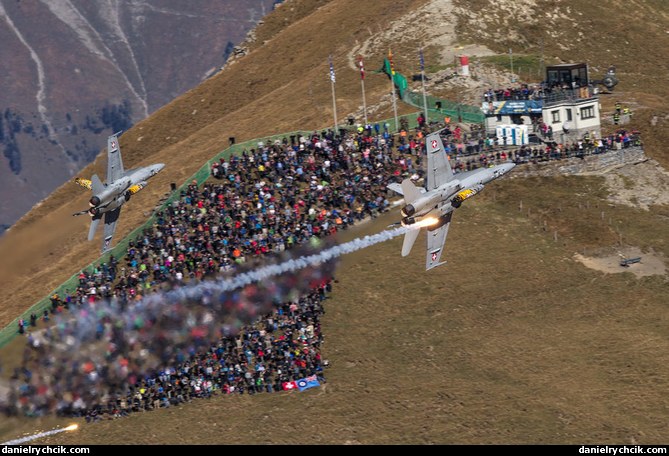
(540, 91)
(278, 348)
(483, 155)
(265, 200)
(268, 199)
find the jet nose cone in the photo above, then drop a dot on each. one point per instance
(155, 169)
(508, 167)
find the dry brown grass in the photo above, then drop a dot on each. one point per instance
(631, 35)
(511, 342)
(266, 92)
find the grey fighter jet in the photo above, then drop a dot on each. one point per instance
(432, 207)
(108, 198)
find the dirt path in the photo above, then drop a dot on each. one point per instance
(652, 263)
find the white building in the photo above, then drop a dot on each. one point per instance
(567, 102)
(570, 119)
(569, 112)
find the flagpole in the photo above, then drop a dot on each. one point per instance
(364, 102)
(394, 105)
(334, 99)
(362, 82)
(392, 85)
(422, 79)
(334, 106)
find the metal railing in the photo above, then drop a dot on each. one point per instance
(559, 95)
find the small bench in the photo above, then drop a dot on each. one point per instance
(625, 262)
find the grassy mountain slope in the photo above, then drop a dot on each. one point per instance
(277, 87)
(632, 35)
(76, 71)
(512, 342)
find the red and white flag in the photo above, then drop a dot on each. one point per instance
(287, 386)
(362, 67)
(390, 61)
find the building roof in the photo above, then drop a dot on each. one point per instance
(566, 66)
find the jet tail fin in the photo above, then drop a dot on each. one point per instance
(439, 169)
(96, 184)
(94, 225)
(410, 191)
(409, 240)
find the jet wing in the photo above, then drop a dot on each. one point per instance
(111, 218)
(435, 244)
(94, 224)
(397, 188)
(438, 170)
(114, 160)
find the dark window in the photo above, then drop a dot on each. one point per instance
(587, 112)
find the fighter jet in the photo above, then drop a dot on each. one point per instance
(108, 198)
(432, 207)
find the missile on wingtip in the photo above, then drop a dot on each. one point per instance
(86, 183)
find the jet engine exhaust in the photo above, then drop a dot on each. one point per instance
(441, 221)
(408, 210)
(426, 222)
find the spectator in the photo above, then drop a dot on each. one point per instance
(266, 200)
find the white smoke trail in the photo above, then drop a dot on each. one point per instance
(225, 285)
(292, 265)
(103, 348)
(220, 286)
(165, 303)
(39, 435)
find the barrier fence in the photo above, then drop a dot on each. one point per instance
(438, 108)
(200, 176)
